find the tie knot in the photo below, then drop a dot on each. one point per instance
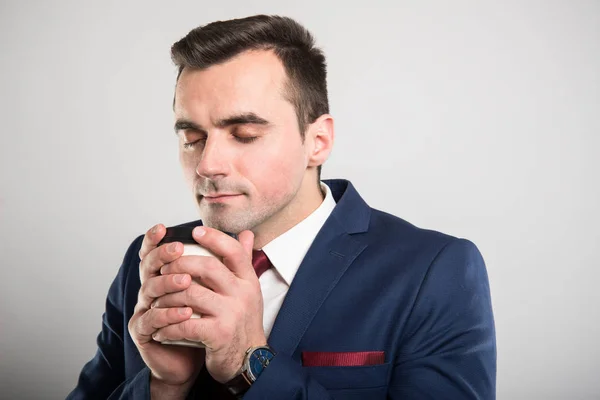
(260, 262)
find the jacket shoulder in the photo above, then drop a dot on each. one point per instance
(392, 228)
(414, 250)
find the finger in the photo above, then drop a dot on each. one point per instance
(234, 256)
(157, 318)
(196, 330)
(151, 239)
(201, 299)
(246, 238)
(159, 286)
(206, 270)
(158, 257)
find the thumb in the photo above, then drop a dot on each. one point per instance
(246, 238)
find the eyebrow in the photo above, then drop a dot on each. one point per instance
(238, 119)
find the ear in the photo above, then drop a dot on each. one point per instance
(321, 135)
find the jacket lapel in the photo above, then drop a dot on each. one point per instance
(330, 255)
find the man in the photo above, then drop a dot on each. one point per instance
(355, 303)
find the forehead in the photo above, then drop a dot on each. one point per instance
(251, 81)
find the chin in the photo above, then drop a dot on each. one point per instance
(227, 224)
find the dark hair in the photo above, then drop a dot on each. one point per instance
(293, 44)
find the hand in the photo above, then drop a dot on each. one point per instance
(174, 367)
(229, 300)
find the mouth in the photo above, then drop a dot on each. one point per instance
(219, 197)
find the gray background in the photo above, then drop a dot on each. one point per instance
(477, 119)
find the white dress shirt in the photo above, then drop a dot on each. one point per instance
(286, 252)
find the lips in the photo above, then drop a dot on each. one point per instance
(220, 195)
(219, 198)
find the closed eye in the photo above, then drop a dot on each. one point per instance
(246, 139)
(240, 139)
(191, 145)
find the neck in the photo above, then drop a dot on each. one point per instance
(307, 200)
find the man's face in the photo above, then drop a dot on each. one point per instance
(240, 145)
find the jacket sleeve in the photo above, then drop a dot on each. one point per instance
(103, 377)
(449, 347)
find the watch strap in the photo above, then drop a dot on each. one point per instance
(238, 385)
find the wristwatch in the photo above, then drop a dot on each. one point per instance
(255, 361)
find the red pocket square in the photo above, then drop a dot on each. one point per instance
(342, 359)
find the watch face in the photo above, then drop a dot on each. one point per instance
(258, 361)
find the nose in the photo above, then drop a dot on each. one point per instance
(214, 161)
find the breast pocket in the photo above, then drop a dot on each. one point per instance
(359, 377)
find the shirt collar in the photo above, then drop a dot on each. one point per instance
(287, 251)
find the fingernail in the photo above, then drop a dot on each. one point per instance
(182, 311)
(179, 278)
(199, 231)
(156, 337)
(172, 248)
(154, 229)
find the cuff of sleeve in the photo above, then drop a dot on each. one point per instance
(282, 379)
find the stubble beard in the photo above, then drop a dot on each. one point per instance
(227, 218)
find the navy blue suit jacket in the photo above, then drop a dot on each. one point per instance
(369, 282)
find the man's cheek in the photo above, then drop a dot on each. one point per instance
(273, 180)
(189, 175)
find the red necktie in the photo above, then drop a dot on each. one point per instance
(260, 262)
